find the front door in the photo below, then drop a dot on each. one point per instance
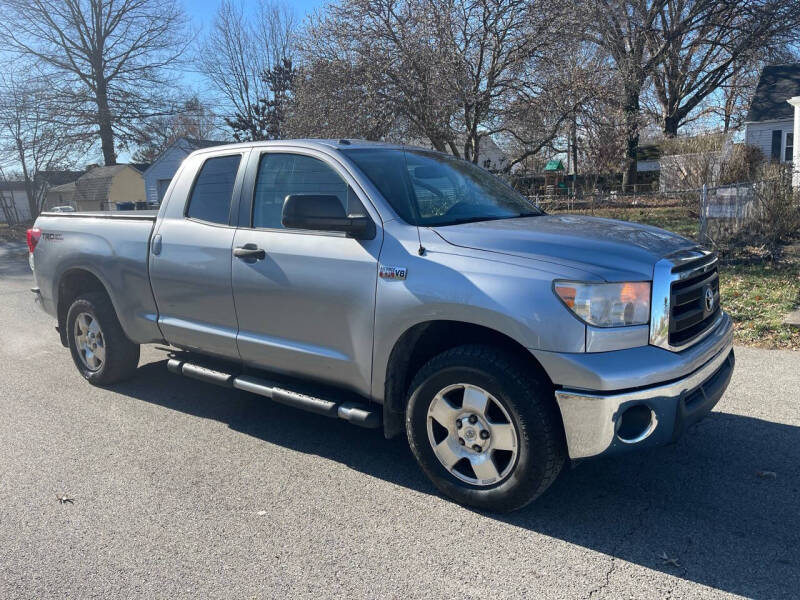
(306, 308)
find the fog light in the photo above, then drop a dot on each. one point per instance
(636, 424)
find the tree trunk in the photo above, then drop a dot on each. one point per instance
(104, 124)
(671, 126)
(574, 133)
(631, 110)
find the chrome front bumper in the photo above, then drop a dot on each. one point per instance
(592, 420)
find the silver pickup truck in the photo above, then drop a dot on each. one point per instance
(400, 288)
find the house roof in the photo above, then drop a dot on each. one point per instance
(95, 184)
(198, 144)
(192, 143)
(64, 188)
(554, 164)
(776, 85)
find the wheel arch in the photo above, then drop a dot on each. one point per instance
(72, 283)
(421, 342)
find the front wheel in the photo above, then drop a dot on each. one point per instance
(100, 349)
(483, 429)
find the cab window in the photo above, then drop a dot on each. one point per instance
(212, 192)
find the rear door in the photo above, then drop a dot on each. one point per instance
(190, 264)
(306, 308)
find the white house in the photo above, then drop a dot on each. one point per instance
(159, 174)
(773, 121)
(13, 202)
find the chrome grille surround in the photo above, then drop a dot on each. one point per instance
(681, 266)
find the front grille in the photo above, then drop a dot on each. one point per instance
(695, 284)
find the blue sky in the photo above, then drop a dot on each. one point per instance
(202, 11)
(202, 14)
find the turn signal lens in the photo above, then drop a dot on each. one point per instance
(607, 304)
(567, 294)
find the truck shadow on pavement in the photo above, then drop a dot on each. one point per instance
(720, 508)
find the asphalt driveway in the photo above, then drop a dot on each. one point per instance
(183, 490)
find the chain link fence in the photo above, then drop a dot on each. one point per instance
(674, 211)
(737, 219)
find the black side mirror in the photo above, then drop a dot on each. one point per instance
(324, 213)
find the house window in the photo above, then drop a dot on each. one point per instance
(788, 151)
(775, 154)
(163, 184)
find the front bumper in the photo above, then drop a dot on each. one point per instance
(602, 422)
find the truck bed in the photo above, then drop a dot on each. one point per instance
(110, 246)
(139, 215)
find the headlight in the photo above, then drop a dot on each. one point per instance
(607, 304)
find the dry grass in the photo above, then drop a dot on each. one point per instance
(672, 218)
(758, 296)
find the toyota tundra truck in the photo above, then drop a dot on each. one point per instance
(400, 288)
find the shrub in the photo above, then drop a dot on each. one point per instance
(744, 164)
(778, 205)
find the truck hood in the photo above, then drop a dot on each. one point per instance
(609, 249)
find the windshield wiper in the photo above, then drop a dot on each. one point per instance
(470, 220)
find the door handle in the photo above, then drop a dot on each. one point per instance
(250, 251)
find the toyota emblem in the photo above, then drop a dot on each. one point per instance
(709, 298)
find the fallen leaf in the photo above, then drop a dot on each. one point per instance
(672, 562)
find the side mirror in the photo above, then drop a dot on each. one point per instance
(318, 212)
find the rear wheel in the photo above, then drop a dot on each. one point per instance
(484, 430)
(100, 349)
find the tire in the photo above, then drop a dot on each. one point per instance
(120, 356)
(506, 473)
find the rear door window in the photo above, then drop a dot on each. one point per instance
(213, 190)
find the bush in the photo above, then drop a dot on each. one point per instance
(744, 164)
(778, 217)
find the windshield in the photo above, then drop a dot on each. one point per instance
(432, 189)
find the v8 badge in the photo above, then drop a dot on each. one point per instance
(393, 273)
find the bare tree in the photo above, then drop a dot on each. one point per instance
(391, 47)
(33, 137)
(192, 118)
(240, 56)
(626, 31)
(335, 99)
(452, 72)
(106, 59)
(567, 85)
(697, 61)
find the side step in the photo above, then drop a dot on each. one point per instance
(355, 412)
